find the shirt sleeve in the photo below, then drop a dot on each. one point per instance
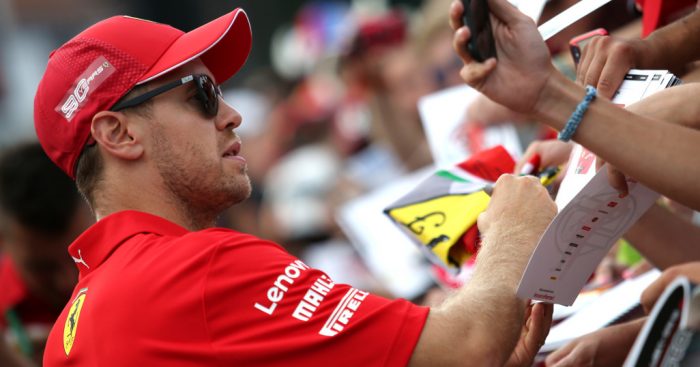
(266, 307)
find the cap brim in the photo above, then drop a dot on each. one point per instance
(222, 44)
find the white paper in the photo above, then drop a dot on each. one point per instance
(579, 237)
(443, 113)
(569, 16)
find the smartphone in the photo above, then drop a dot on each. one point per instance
(577, 43)
(476, 16)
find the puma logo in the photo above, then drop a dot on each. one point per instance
(80, 260)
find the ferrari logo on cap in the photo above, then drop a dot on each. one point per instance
(71, 326)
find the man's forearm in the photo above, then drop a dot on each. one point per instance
(628, 141)
(673, 46)
(664, 238)
(487, 311)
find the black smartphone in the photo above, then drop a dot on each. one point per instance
(476, 16)
(577, 43)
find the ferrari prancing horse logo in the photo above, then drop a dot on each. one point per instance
(71, 326)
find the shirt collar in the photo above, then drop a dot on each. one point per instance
(95, 245)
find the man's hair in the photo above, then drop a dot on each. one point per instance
(34, 191)
(88, 171)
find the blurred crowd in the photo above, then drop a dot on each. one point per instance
(333, 114)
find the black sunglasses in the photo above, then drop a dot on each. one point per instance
(208, 94)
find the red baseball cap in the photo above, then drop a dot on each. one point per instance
(96, 68)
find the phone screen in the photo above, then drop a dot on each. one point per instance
(481, 45)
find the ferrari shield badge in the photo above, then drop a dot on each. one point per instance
(71, 327)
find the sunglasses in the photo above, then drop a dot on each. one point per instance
(208, 94)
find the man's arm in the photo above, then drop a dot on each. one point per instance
(652, 293)
(664, 238)
(481, 324)
(524, 79)
(605, 347)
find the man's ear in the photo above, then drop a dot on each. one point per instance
(118, 134)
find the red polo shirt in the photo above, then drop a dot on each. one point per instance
(153, 294)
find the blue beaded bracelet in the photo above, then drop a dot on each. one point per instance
(576, 117)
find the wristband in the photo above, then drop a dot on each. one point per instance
(570, 128)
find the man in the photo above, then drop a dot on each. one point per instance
(40, 214)
(131, 109)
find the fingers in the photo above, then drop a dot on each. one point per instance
(587, 57)
(475, 74)
(552, 153)
(595, 67)
(617, 180)
(604, 63)
(530, 152)
(459, 43)
(559, 355)
(540, 323)
(612, 75)
(653, 291)
(456, 10)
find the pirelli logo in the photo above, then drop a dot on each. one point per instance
(342, 314)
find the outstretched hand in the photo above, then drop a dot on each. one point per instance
(516, 78)
(533, 335)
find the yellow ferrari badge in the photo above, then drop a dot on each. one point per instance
(71, 326)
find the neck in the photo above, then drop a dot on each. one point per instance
(154, 199)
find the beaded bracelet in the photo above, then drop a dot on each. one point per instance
(570, 128)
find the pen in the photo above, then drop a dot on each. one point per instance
(546, 177)
(531, 166)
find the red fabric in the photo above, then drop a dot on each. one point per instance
(658, 13)
(471, 242)
(157, 295)
(489, 164)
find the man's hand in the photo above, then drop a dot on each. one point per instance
(653, 291)
(606, 60)
(674, 105)
(552, 153)
(605, 347)
(486, 112)
(533, 335)
(517, 203)
(516, 78)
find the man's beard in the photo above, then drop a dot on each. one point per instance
(200, 188)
